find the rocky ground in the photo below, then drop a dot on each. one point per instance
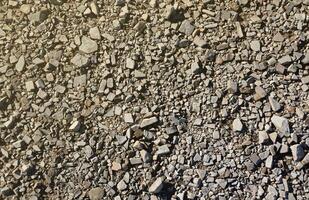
(154, 99)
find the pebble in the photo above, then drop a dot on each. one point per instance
(255, 45)
(88, 45)
(263, 137)
(96, 193)
(260, 93)
(75, 126)
(94, 33)
(275, 105)
(156, 186)
(148, 122)
(162, 150)
(130, 64)
(38, 17)
(281, 123)
(80, 60)
(297, 152)
(20, 65)
(186, 27)
(237, 125)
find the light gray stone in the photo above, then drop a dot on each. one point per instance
(186, 27)
(88, 45)
(156, 186)
(275, 105)
(130, 63)
(148, 122)
(297, 152)
(94, 33)
(281, 123)
(162, 150)
(80, 60)
(255, 45)
(96, 193)
(20, 65)
(237, 125)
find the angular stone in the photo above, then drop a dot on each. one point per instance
(162, 150)
(38, 17)
(121, 185)
(75, 126)
(281, 123)
(80, 80)
(156, 186)
(116, 166)
(305, 60)
(96, 193)
(263, 137)
(297, 152)
(148, 122)
(260, 93)
(237, 125)
(269, 162)
(25, 8)
(275, 105)
(30, 86)
(278, 37)
(195, 68)
(198, 41)
(232, 86)
(88, 45)
(305, 79)
(139, 74)
(146, 157)
(80, 60)
(94, 33)
(255, 159)
(128, 118)
(130, 63)
(285, 60)
(186, 27)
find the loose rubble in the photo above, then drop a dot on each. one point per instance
(154, 99)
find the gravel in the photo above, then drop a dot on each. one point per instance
(154, 99)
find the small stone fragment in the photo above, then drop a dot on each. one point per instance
(263, 137)
(237, 125)
(20, 64)
(75, 126)
(130, 64)
(162, 150)
(95, 33)
(198, 41)
(275, 105)
(80, 60)
(128, 118)
(297, 152)
(88, 45)
(255, 45)
(38, 17)
(260, 93)
(281, 123)
(122, 185)
(96, 193)
(186, 27)
(30, 86)
(156, 186)
(148, 122)
(269, 162)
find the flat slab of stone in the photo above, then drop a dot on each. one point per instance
(148, 122)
